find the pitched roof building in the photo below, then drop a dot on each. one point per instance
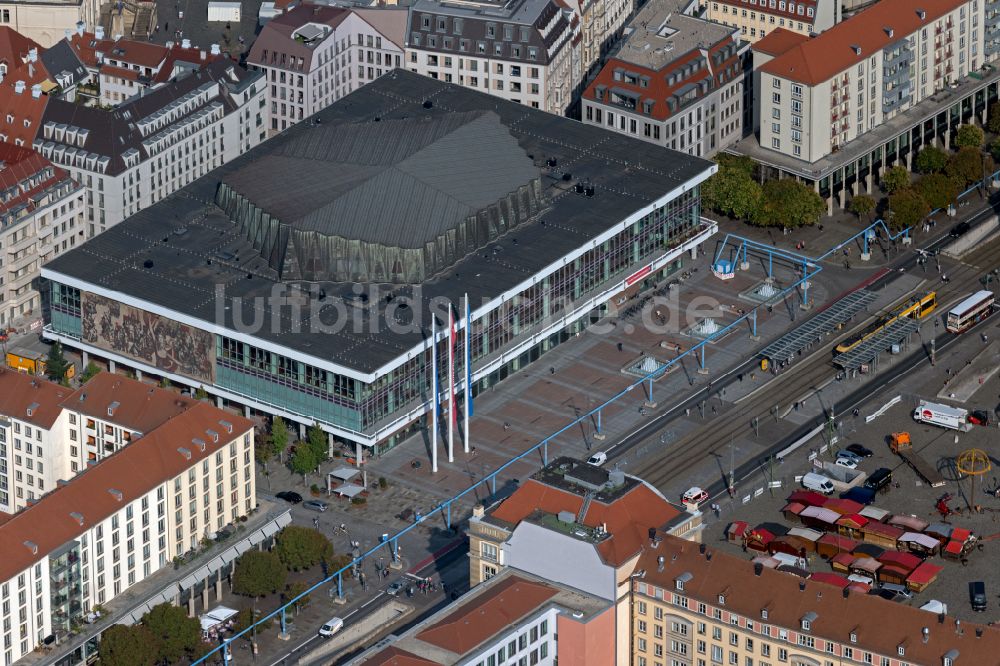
(756, 18)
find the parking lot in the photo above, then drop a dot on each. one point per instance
(907, 495)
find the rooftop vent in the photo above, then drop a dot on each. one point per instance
(184, 452)
(36, 91)
(926, 633)
(77, 516)
(215, 50)
(758, 569)
(185, 43)
(552, 162)
(99, 31)
(200, 443)
(922, 14)
(888, 30)
(847, 592)
(802, 586)
(117, 494)
(32, 546)
(80, 27)
(660, 561)
(32, 408)
(32, 55)
(856, 49)
(18, 87)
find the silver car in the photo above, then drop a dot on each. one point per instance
(395, 588)
(315, 505)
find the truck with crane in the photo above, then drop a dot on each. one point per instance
(902, 445)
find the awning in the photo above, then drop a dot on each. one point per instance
(831, 579)
(910, 523)
(345, 474)
(215, 617)
(348, 490)
(921, 540)
(821, 514)
(805, 533)
(873, 513)
(270, 529)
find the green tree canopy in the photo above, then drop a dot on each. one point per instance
(318, 442)
(862, 205)
(263, 449)
(931, 160)
(128, 646)
(295, 589)
(178, 635)
(969, 136)
(789, 203)
(259, 572)
(732, 190)
(302, 547)
(303, 460)
(91, 371)
(966, 166)
(995, 147)
(243, 619)
(279, 435)
(895, 178)
(993, 125)
(937, 189)
(56, 364)
(908, 208)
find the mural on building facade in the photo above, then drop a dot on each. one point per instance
(157, 341)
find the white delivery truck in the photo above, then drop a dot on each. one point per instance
(945, 416)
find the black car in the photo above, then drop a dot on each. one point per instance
(860, 451)
(289, 496)
(960, 229)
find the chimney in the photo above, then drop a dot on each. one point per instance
(758, 568)
(701, 548)
(203, 54)
(80, 27)
(36, 91)
(802, 586)
(958, 626)
(99, 32)
(660, 561)
(32, 55)
(67, 33)
(215, 50)
(847, 592)
(979, 632)
(888, 30)
(652, 533)
(185, 43)
(18, 87)
(478, 511)
(926, 634)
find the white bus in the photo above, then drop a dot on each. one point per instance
(970, 311)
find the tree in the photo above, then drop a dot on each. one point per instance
(937, 190)
(263, 449)
(966, 166)
(895, 179)
(302, 547)
(178, 635)
(295, 589)
(303, 461)
(908, 208)
(128, 646)
(862, 205)
(91, 371)
(969, 136)
(56, 364)
(317, 441)
(789, 203)
(279, 436)
(993, 125)
(259, 572)
(931, 160)
(995, 148)
(243, 619)
(732, 192)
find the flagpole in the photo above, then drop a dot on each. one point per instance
(434, 401)
(468, 375)
(451, 383)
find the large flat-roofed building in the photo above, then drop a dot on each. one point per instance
(298, 279)
(516, 618)
(755, 19)
(695, 605)
(676, 81)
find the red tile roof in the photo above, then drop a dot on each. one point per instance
(14, 47)
(474, 623)
(144, 54)
(828, 54)
(22, 106)
(778, 41)
(119, 72)
(393, 656)
(627, 518)
(134, 471)
(19, 163)
(141, 407)
(19, 391)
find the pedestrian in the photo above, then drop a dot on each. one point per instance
(620, 346)
(316, 522)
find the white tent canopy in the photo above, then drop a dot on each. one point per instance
(345, 474)
(215, 617)
(348, 490)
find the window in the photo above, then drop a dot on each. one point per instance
(776, 98)
(776, 143)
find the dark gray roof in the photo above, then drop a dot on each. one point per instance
(359, 181)
(627, 174)
(61, 60)
(113, 132)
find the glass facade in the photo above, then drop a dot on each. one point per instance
(347, 403)
(65, 586)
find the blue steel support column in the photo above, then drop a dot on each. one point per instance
(225, 653)
(744, 253)
(598, 422)
(340, 585)
(649, 393)
(493, 484)
(545, 453)
(447, 519)
(394, 544)
(805, 283)
(701, 352)
(753, 326)
(770, 264)
(865, 236)
(284, 627)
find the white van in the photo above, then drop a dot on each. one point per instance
(817, 482)
(330, 628)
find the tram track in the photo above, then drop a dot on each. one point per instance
(800, 379)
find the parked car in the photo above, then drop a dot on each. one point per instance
(977, 595)
(817, 482)
(289, 496)
(395, 588)
(960, 229)
(879, 479)
(849, 454)
(860, 451)
(901, 591)
(330, 628)
(849, 463)
(862, 495)
(598, 459)
(315, 505)
(694, 495)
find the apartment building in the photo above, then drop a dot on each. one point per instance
(41, 216)
(601, 24)
(821, 93)
(124, 68)
(696, 606)
(515, 618)
(312, 55)
(44, 21)
(526, 51)
(132, 156)
(93, 537)
(676, 81)
(755, 19)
